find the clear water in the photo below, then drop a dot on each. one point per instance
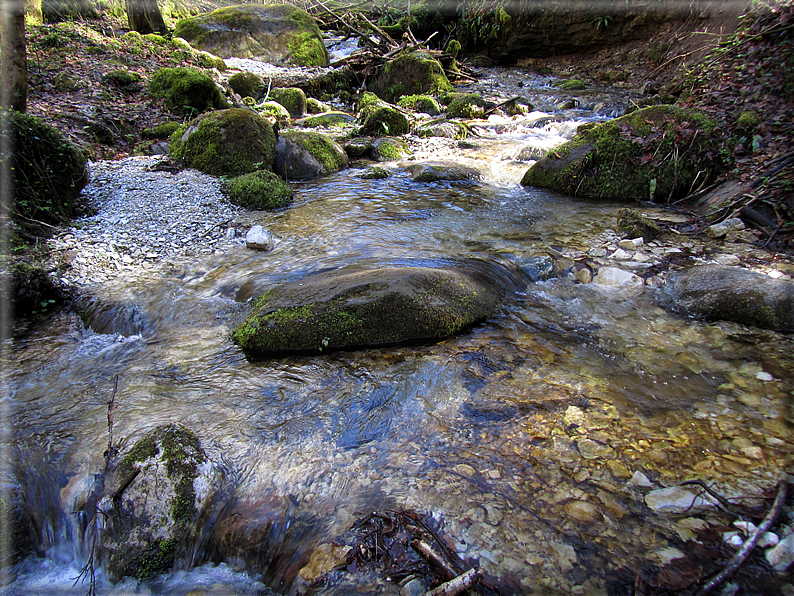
(559, 398)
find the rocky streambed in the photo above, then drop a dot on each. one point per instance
(547, 444)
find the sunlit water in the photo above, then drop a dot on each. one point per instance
(561, 397)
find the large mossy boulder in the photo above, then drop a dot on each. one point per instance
(718, 292)
(302, 155)
(162, 486)
(227, 142)
(409, 74)
(187, 91)
(659, 153)
(247, 84)
(379, 118)
(354, 308)
(48, 171)
(279, 34)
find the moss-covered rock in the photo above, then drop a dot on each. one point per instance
(315, 106)
(375, 173)
(227, 142)
(632, 224)
(273, 112)
(186, 90)
(126, 81)
(302, 155)
(465, 105)
(48, 171)
(409, 74)
(448, 129)
(657, 153)
(572, 85)
(420, 103)
(379, 118)
(247, 84)
(328, 120)
(162, 484)
(388, 149)
(717, 292)
(259, 191)
(353, 308)
(292, 98)
(280, 34)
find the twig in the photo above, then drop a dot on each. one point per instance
(749, 544)
(722, 500)
(504, 103)
(436, 561)
(458, 585)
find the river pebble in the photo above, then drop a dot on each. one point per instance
(143, 217)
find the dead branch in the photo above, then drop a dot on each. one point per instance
(458, 585)
(436, 561)
(749, 544)
(504, 103)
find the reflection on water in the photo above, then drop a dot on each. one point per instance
(560, 399)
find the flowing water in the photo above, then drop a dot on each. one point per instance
(498, 435)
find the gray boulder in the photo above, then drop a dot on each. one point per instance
(437, 171)
(355, 308)
(279, 34)
(161, 487)
(717, 292)
(302, 155)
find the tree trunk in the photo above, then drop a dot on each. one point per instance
(14, 61)
(144, 16)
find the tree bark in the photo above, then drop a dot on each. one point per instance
(144, 16)
(14, 61)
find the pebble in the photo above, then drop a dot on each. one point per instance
(782, 556)
(582, 511)
(258, 238)
(142, 217)
(675, 500)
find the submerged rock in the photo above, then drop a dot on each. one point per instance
(717, 292)
(163, 483)
(354, 308)
(437, 171)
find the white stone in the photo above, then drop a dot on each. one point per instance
(675, 500)
(720, 229)
(764, 376)
(631, 243)
(613, 276)
(727, 259)
(640, 479)
(621, 255)
(769, 539)
(782, 556)
(258, 238)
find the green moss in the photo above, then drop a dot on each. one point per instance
(228, 142)
(572, 85)
(209, 60)
(158, 558)
(247, 84)
(308, 49)
(453, 48)
(410, 73)
(465, 105)
(315, 106)
(388, 148)
(748, 121)
(165, 130)
(273, 111)
(324, 150)
(292, 98)
(260, 190)
(376, 173)
(380, 118)
(48, 171)
(140, 452)
(186, 90)
(420, 103)
(123, 78)
(661, 147)
(328, 120)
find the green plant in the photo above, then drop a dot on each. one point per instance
(261, 190)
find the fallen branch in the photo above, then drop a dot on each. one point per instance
(749, 544)
(504, 103)
(458, 585)
(436, 561)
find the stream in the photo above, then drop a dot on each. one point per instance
(530, 441)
